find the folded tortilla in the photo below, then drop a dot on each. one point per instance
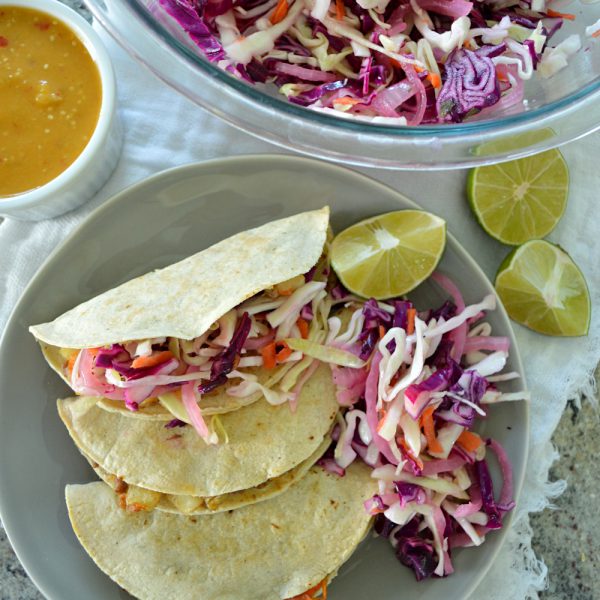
(183, 300)
(137, 498)
(272, 550)
(265, 442)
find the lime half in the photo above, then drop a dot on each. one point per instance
(542, 288)
(520, 200)
(389, 255)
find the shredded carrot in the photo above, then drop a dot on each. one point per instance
(396, 63)
(380, 424)
(273, 353)
(123, 501)
(283, 351)
(501, 75)
(596, 34)
(411, 314)
(556, 14)
(281, 10)
(144, 362)
(435, 80)
(429, 429)
(469, 441)
(285, 292)
(381, 331)
(136, 507)
(303, 327)
(310, 594)
(71, 361)
(340, 11)
(268, 353)
(402, 443)
(347, 101)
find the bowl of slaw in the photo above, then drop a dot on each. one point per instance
(404, 84)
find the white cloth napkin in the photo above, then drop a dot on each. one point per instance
(162, 129)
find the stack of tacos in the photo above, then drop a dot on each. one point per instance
(206, 424)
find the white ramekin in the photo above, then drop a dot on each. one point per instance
(90, 170)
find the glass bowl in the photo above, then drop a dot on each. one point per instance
(556, 110)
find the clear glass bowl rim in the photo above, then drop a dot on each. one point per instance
(465, 129)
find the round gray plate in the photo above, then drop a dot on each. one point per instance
(152, 224)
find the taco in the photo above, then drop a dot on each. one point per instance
(273, 550)
(267, 447)
(206, 335)
(136, 498)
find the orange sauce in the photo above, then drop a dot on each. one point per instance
(50, 97)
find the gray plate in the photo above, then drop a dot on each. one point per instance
(152, 224)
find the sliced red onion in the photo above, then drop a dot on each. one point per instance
(350, 384)
(486, 342)
(331, 466)
(259, 342)
(505, 502)
(134, 396)
(462, 540)
(190, 403)
(466, 510)
(85, 381)
(388, 100)
(421, 96)
(449, 8)
(447, 465)
(305, 74)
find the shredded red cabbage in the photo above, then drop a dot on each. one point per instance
(224, 362)
(189, 15)
(470, 84)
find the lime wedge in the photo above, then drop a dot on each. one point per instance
(389, 255)
(542, 288)
(520, 200)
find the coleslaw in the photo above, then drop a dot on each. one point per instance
(428, 379)
(395, 62)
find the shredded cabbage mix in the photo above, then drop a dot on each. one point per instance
(248, 353)
(403, 62)
(413, 386)
(428, 378)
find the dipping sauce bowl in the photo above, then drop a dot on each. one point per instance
(60, 136)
